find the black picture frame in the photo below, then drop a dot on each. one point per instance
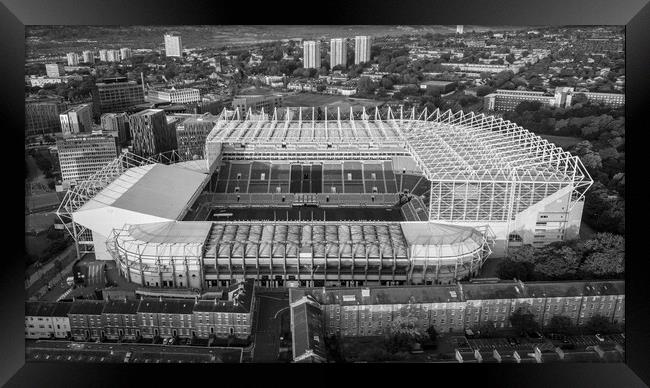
(634, 14)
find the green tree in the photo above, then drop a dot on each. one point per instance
(560, 324)
(605, 254)
(557, 261)
(432, 333)
(523, 320)
(487, 329)
(513, 269)
(598, 324)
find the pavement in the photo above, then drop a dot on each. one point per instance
(46, 350)
(267, 331)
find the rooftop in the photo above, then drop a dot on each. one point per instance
(380, 295)
(87, 307)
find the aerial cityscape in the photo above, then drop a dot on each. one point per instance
(278, 194)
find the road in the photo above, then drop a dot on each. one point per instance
(113, 352)
(267, 325)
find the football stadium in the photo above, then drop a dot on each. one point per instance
(322, 198)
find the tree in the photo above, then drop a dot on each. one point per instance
(557, 261)
(560, 324)
(482, 91)
(433, 334)
(487, 329)
(512, 269)
(523, 320)
(598, 324)
(606, 254)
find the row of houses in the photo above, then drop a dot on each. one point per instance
(228, 313)
(374, 311)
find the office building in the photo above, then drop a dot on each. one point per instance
(614, 100)
(42, 115)
(173, 45)
(113, 55)
(73, 59)
(88, 56)
(54, 70)
(174, 95)
(362, 46)
(76, 119)
(117, 95)
(191, 134)
(150, 133)
(257, 102)
(116, 123)
(338, 52)
(562, 97)
(81, 156)
(311, 54)
(125, 53)
(460, 29)
(103, 55)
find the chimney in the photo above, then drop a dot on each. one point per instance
(215, 301)
(160, 298)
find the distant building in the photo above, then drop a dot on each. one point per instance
(113, 56)
(88, 56)
(103, 55)
(76, 119)
(438, 86)
(174, 95)
(338, 52)
(125, 53)
(116, 122)
(73, 59)
(507, 100)
(54, 70)
(460, 29)
(81, 156)
(257, 102)
(42, 115)
(362, 45)
(192, 133)
(173, 45)
(150, 133)
(42, 81)
(311, 54)
(481, 67)
(117, 95)
(613, 99)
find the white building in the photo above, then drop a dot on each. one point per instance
(338, 52)
(362, 46)
(103, 55)
(460, 29)
(76, 119)
(311, 54)
(88, 56)
(54, 70)
(125, 53)
(82, 156)
(73, 59)
(113, 55)
(173, 45)
(174, 95)
(42, 81)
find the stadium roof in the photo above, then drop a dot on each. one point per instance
(131, 189)
(162, 239)
(424, 238)
(447, 146)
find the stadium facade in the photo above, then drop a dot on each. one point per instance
(332, 198)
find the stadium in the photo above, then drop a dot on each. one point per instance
(324, 198)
